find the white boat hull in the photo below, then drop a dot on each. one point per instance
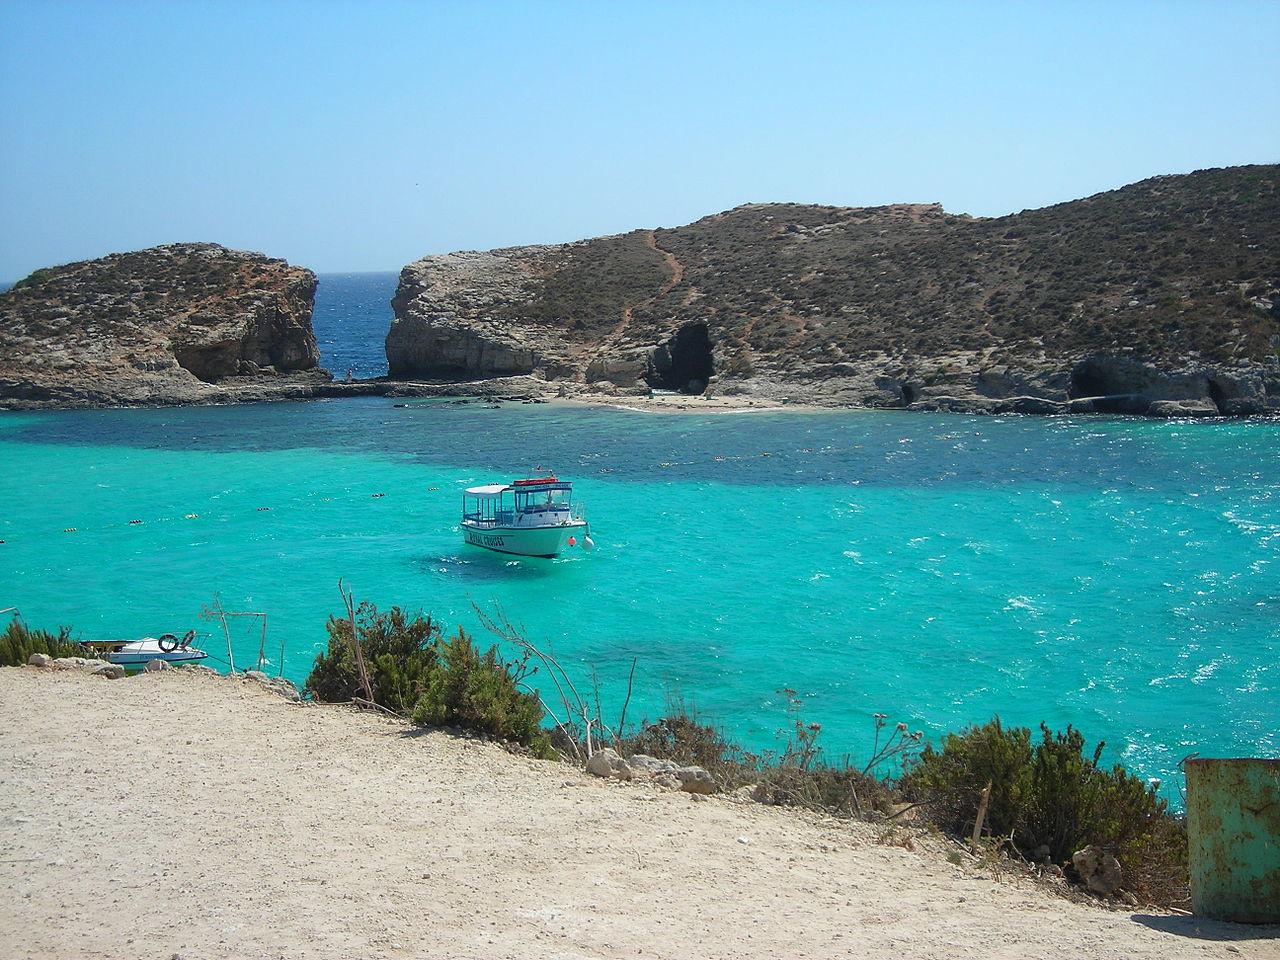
(135, 656)
(524, 541)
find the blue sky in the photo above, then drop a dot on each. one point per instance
(360, 136)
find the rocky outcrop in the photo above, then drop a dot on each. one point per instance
(182, 323)
(447, 317)
(607, 763)
(1161, 297)
(1098, 870)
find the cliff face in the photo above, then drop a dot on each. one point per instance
(173, 324)
(1162, 297)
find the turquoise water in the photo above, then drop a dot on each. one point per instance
(1117, 574)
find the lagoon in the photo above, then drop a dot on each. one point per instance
(1114, 573)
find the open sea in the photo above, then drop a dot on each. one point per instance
(1121, 575)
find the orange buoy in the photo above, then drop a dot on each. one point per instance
(573, 542)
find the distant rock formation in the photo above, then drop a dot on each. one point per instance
(182, 323)
(1162, 298)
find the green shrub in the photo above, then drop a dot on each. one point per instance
(478, 692)
(953, 778)
(18, 643)
(399, 651)
(1054, 795)
(413, 671)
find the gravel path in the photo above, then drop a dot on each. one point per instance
(179, 813)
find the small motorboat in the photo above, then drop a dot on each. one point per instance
(529, 518)
(134, 655)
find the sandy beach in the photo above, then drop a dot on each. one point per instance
(180, 814)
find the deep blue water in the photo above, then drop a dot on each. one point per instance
(351, 318)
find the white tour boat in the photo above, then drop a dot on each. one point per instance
(530, 518)
(134, 655)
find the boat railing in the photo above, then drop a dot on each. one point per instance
(498, 517)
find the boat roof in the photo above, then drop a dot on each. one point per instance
(520, 486)
(488, 490)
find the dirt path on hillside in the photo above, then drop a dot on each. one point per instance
(183, 814)
(677, 274)
(674, 265)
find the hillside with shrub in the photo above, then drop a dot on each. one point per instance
(180, 323)
(1166, 290)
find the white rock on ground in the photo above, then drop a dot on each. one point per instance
(40, 660)
(695, 780)
(607, 763)
(643, 763)
(327, 833)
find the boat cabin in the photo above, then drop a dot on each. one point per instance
(541, 502)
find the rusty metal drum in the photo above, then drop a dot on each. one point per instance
(1233, 829)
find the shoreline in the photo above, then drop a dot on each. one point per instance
(266, 825)
(776, 398)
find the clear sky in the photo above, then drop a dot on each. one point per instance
(360, 136)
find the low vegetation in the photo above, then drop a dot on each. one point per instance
(19, 642)
(1048, 799)
(415, 671)
(1050, 796)
(400, 652)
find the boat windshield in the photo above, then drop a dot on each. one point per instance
(543, 499)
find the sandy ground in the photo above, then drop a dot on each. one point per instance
(182, 814)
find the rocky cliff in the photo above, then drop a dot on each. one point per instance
(1162, 297)
(182, 323)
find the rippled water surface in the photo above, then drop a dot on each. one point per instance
(1118, 574)
(351, 318)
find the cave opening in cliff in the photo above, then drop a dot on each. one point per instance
(1108, 383)
(1088, 379)
(690, 361)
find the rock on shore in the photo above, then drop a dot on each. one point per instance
(181, 323)
(1159, 298)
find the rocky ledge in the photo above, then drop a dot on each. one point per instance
(1161, 298)
(181, 323)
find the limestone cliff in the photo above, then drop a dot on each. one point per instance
(173, 324)
(1162, 297)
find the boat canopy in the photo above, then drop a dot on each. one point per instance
(488, 490)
